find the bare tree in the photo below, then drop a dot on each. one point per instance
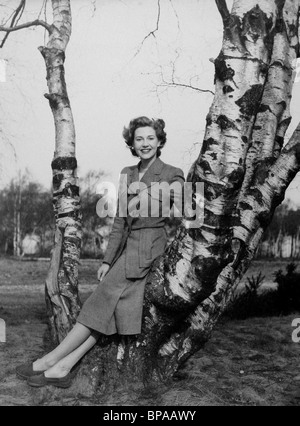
(62, 281)
(246, 170)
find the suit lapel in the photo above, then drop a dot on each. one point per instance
(153, 173)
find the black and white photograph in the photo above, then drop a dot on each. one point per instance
(149, 205)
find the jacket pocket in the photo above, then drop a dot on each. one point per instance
(152, 244)
(145, 246)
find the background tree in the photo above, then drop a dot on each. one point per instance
(91, 221)
(246, 171)
(35, 213)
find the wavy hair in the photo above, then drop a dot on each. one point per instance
(158, 125)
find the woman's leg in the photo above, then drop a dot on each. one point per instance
(64, 366)
(77, 336)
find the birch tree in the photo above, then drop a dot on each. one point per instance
(63, 303)
(246, 166)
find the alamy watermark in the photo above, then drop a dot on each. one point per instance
(296, 332)
(154, 200)
(2, 331)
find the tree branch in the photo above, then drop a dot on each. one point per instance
(16, 16)
(223, 9)
(174, 83)
(186, 86)
(151, 33)
(35, 23)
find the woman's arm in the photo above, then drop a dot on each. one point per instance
(116, 235)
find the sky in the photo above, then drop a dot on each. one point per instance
(112, 77)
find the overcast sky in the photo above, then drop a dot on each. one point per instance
(111, 79)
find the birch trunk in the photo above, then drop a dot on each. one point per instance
(63, 303)
(246, 172)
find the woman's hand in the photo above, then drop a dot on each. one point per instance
(102, 271)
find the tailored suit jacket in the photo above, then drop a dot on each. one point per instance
(141, 215)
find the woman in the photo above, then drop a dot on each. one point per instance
(135, 241)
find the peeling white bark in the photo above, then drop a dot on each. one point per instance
(64, 310)
(254, 63)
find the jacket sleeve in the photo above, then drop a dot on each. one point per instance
(116, 234)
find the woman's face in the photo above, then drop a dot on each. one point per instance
(146, 143)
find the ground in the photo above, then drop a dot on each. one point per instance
(251, 362)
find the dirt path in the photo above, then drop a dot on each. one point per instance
(252, 362)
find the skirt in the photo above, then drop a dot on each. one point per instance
(116, 306)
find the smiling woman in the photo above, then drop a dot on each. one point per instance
(116, 307)
(145, 138)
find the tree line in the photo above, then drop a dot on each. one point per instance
(27, 223)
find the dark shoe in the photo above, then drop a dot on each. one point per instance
(41, 381)
(25, 371)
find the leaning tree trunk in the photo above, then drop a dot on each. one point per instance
(246, 172)
(63, 303)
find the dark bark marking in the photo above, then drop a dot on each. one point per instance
(50, 53)
(236, 177)
(214, 156)
(64, 163)
(57, 180)
(245, 140)
(256, 193)
(262, 169)
(249, 102)
(207, 270)
(280, 141)
(225, 123)
(205, 166)
(213, 191)
(265, 218)
(74, 241)
(209, 120)
(297, 153)
(286, 122)
(223, 72)
(69, 191)
(264, 108)
(73, 214)
(257, 24)
(245, 206)
(56, 99)
(227, 89)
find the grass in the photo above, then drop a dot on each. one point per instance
(251, 362)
